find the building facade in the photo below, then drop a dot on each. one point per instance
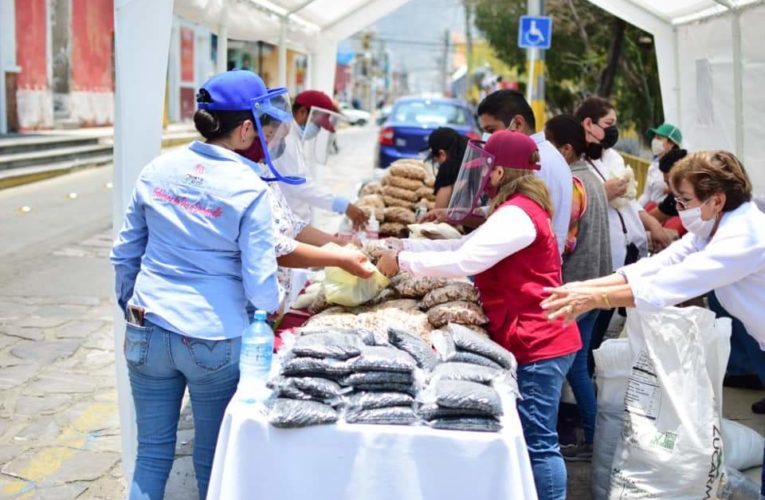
(57, 64)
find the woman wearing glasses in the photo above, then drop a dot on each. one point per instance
(724, 252)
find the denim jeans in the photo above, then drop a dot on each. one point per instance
(160, 365)
(540, 384)
(579, 377)
(746, 356)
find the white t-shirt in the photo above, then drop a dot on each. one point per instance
(655, 188)
(556, 174)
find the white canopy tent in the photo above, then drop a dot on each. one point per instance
(142, 43)
(711, 56)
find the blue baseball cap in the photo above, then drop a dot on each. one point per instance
(231, 91)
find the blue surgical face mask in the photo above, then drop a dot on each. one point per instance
(485, 136)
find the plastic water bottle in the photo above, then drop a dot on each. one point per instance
(255, 359)
(373, 228)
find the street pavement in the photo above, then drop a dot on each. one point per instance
(59, 429)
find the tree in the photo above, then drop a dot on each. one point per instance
(592, 52)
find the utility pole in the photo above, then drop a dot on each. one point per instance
(469, 47)
(536, 70)
(446, 65)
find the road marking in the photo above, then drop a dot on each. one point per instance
(72, 438)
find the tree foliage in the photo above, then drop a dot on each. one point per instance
(592, 52)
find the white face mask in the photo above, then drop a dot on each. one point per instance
(692, 221)
(657, 146)
(485, 136)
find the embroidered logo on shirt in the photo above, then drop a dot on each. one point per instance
(196, 179)
(187, 205)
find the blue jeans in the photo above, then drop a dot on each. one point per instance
(746, 356)
(579, 377)
(540, 384)
(160, 365)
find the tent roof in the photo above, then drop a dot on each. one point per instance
(306, 19)
(683, 11)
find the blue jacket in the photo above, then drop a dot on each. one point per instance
(197, 243)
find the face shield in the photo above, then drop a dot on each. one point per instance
(273, 117)
(471, 182)
(292, 160)
(318, 134)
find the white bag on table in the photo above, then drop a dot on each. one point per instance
(671, 446)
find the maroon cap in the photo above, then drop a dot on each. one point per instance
(310, 98)
(513, 150)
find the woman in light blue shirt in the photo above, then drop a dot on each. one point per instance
(197, 246)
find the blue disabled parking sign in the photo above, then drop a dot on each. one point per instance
(535, 32)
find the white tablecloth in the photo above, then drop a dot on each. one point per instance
(367, 462)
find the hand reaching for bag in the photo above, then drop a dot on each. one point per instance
(388, 263)
(355, 262)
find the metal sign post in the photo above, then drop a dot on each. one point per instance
(535, 35)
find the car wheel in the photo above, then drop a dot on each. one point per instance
(361, 122)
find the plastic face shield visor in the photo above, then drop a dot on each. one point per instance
(292, 162)
(318, 135)
(273, 117)
(471, 183)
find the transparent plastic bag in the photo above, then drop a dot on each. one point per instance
(383, 359)
(473, 424)
(467, 372)
(387, 387)
(361, 378)
(463, 395)
(394, 415)
(373, 400)
(467, 340)
(290, 413)
(288, 391)
(444, 344)
(415, 346)
(335, 345)
(474, 359)
(316, 367)
(433, 411)
(457, 290)
(341, 287)
(319, 388)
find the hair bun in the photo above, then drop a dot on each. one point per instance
(206, 123)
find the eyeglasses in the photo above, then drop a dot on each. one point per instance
(683, 204)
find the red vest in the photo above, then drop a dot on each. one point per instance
(511, 292)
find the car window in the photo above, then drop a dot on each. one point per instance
(431, 113)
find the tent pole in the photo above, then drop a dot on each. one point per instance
(142, 45)
(738, 84)
(282, 77)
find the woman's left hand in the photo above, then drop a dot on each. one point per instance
(388, 264)
(570, 302)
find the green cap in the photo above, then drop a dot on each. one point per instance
(669, 131)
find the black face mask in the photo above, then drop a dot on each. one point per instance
(594, 150)
(611, 137)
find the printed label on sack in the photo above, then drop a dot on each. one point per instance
(666, 440)
(643, 397)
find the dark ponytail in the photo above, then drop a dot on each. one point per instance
(218, 124)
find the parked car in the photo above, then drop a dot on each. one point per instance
(384, 114)
(355, 116)
(405, 133)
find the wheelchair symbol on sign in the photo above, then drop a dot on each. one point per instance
(534, 35)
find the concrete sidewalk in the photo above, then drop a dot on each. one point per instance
(32, 157)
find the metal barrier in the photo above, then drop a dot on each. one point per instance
(640, 166)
